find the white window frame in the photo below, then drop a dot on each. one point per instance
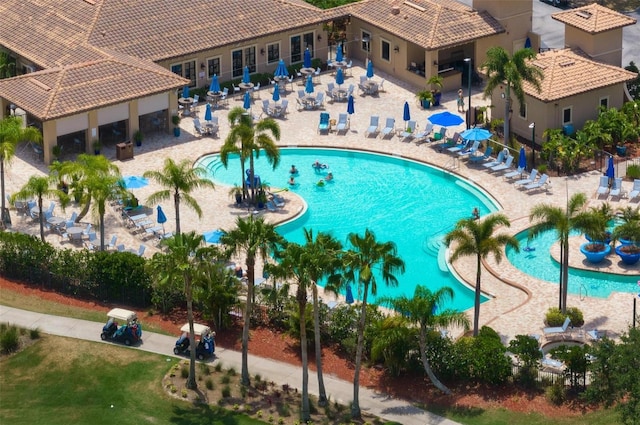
(382, 42)
(523, 108)
(365, 47)
(276, 59)
(183, 66)
(210, 76)
(570, 109)
(605, 98)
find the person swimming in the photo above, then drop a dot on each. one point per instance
(329, 177)
(318, 165)
(292, 181)
(475, 213)
(293, 170)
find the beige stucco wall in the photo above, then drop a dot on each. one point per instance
(604, 47)
(514, 15)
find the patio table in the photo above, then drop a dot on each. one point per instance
(341, 95)
(370, 87)
(309, 102)
(341, 65)
(307, 71)
(186, 103)
(215, 97)
(56, 222)
(75, 233)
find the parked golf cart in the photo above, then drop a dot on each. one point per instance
(122, 326)
(206, 345)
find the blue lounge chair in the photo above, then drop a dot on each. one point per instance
(603, 188)
(483, 157)
(343, 123)
(388, 127)
(323, 125)
(373, 126)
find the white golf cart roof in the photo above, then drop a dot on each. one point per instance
(122, 314)
(198, 329)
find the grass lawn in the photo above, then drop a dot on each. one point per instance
(506, 417)
(68, 381)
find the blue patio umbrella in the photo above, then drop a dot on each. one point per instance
(445, 119)
(247, 100)
(276, 93)
(134, 182)
(527, 43)
(161, 217)
(281, 69)
(215, 85)
(522, 159)
(350, 107)
(308, 87)
(245, 75)
(406, 114)
(212, 236)
(207, 113)
(349, 296)
(307, 58)
(339, 57)
(339, 77)
(370, 69)
(475, 134)
(185, 92)
(611, 171)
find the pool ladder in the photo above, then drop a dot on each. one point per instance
(583, 288)
(452, 164)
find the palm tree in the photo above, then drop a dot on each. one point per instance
(422, 310)
(12, 133)
(253, 137)
(549, 217)
(366, 256)
(181, 265)
(511, 72)
(104, 189)
(476, 237)
(40, 187)
(181, 179)
(253, 237)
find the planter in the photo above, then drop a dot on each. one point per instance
(621, 150)
(426, 104)
(436, 98)
(595, 256)
(176, 131)
(238, 198)
(629, 258)
(606, 241)
(625, 241)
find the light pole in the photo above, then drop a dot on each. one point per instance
(468, 61)
(532, 126)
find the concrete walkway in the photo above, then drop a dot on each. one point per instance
(378, 404)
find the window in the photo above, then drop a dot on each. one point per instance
(366, 41)
(236, 63)
(308, 41)
(186, 70)
(273, 53)
(523, 111)
(566, 115)
(604, 102)
(250, 58)
(213, 67)
(296, 48)
(385, 50)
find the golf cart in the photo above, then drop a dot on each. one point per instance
(129, 331)
(206, 346)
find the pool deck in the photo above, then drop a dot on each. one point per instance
(520, 301)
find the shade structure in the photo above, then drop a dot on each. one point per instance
(215, 84)
(281, 69)
(307, 58)
(611, 170)
(370, 69)
(349, 296)
(207, 113)
(445, 119)
(185, 92)
(247, 100)
(245, 75)
(161, 217)
(134, 182)
(522, 159)
(350, 105)
(212, 236)
(339, 57)
(406, 114)
(276, 93)
(475, 134)
(308, 87)
(339, 77)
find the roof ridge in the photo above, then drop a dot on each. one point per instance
(54, 93)
(89, 31)
(434, 27)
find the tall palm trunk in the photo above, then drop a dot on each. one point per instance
(41, 218)
(252, 180)
(176, 205)
(2, 189)
(322, 392)
(425, 362)
(101, 212)
(247, 321)
(355, 406)
(305, 413)
(507, 109)
(565, 275)
(192, 384)
(85, 209)
(476, 304)
(243, 178)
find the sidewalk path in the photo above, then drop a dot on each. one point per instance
(377, 404)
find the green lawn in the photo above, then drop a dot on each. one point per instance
(68, 381)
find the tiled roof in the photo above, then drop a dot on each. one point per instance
(569, 72)
(431, 24)
(71, 89)
(593, 18)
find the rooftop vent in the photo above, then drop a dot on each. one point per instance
(539, 64)
(584, 14)
(43, 86)
(415, 6)
(566, 63)
(395, 10)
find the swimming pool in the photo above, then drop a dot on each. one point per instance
(541, 265)
(411, 204)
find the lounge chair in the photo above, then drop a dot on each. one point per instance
(440, 135)
(458, 147)
(479, 158)
(373, 126)
(532, 177)
(617, 190)
(271, 206)
(423, 136)
(197, 126)
(112, 244)
(504, 166)
(388, 128)
(89, 244)
(141, 250)
(557, 329)
(407, 134)
(343, 123)
(603, 188)
(635, 191)
(499, 160)
(470, 151)
(324, 125)
(537, 185)
(511, 174)
(319, 101)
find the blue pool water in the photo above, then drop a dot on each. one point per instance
(411, 204)
(541, 265)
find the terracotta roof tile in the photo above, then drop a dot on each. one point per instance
(594, 18)
(569, 72)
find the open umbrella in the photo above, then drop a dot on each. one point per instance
(161, 217)
(281, 69)
(185, 92)
(339, 57)
(212, 236)
(247, 100)
(475, 134)
(350, 107)
(522, 159)
(245, 75)
(134, 182)
(339, 77)
(307, 58)
(308, 87)
(349, 296)
(370, 69)
(276, 93)
(215, 85)
(207, 113)
(611, 171)
(406, 115)
(445, 119)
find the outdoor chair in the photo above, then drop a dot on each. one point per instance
(470, 151)
(603, 188)
(256, 90)
(363, 78)
(505, 166)
(319, 101)
(225, 96)
(196, 100)
(407, 134)
(324, 125)
(497, 161)
(440, 135)
(511, 174)
(423, 136)
(461, 146)
(381, 85)
(197, 126)
(343, 123)
(373, 126)
(265, 107)
(112, 243)
(301, 94)
(635, 191)
(283, 108)
(537, 185)
(555, 330)
(485, 156)
(89, 244)
(532, 177)
(141, 250)
(616, 190)
(388, 128)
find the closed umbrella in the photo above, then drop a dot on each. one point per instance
(339, 57)
(245, 75)
(161, 217)
(185, 92)
(339, 77)
(349, 296)
(522, 159)
(247, 100)
(475, 134)
(215, 85)
(276, 93)
(611, 171)
(281, 69)
(350, 105)
(307, 58)
(308, 88)
(370, 69)
(445, 119)
(406, 114)
(207, 113)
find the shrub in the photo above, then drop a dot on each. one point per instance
(184, 393)
(209, 384)
(575, 314)
(218, 367)
(184, 371)
(225, 379)
(554, 317)
(34, 333)
(226, 391)
(542, 168)
(633, 171)
(204, 369)
(9, 340)
(556, 393)
(232, 372)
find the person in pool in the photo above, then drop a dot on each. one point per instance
(292, 181)
(318, 165)
(293, 170)
(329, 177)
(475, 214)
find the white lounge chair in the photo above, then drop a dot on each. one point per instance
(603, 188)
(616, 190)
(537, 185)
(423, 136)
(460, 146)
(388, 128)
(470, 151)
(635, 191)
(343, 123)
(499, 160)
(407, 134)
(532, 177)
(557, 329)
(504, 166)
(112, 244)
(511, 174)
(373, 126)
